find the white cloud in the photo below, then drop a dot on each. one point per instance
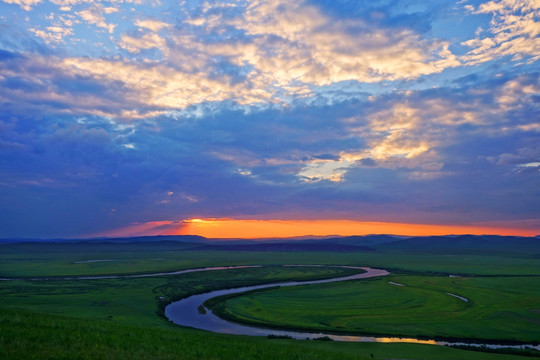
(513, 31)
(531, 164)
(152, 24)
(159, 85)
(25, 4)
(295, 42)
(110, 10)
(286, 50)
(244, 172)
(95, 15)
(291, 47)
(70, 3)
(146, 41)
(53, 34)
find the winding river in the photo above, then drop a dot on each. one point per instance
(186, 312)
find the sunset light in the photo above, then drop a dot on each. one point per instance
(226, 228)
(233, 228)
(286, 118)
(269, 179)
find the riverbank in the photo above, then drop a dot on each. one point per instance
(226, 321)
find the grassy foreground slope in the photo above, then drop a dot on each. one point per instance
(25, 335)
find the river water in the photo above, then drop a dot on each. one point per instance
(186, 312)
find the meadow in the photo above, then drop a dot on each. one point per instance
(29, 335)
(56, 260)
(138, 300)
(498, 308)
(122, 318)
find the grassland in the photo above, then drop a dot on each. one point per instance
(120, 318)
(499, 308)
(32, 260)
(26, 335)
(138, 300)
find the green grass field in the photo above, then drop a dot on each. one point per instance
(137, 300)
(120, 318)
(499, 308)
(26, 335)
(32, 260)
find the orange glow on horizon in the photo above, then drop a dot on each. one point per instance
(251, 229)
(227, 228)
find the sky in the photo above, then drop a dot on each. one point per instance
(265, 118)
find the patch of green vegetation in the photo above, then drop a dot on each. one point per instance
(33, 260)
(504, 350)
(137, 300)
(26, 335)
(499, 308)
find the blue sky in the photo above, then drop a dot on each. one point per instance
(124, 113)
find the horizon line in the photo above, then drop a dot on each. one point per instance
(296, 238)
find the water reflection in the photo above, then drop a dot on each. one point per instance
(406, 340)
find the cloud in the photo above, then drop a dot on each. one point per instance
(152, 24)
(264, 53)
(526, 157)
(150, 228)
(96, 15)
(66, 5)
(112, 88)
(295, 42)
(165, 86)
(161, 86)
(392, 139)
(140, 42)
(517, 93)
(268, 54)
(237, 164)
(53, 34)
(513, 31)
(25, 4)
(38, 83)
(411, 130)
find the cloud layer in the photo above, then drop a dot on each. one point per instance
(117, 113)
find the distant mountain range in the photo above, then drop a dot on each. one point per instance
(386, 243)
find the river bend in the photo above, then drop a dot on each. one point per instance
(186, 312)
